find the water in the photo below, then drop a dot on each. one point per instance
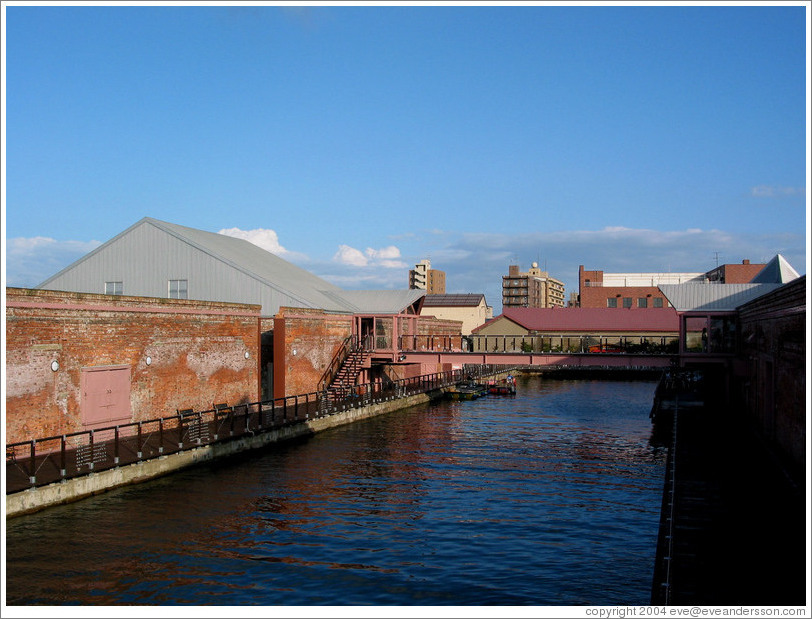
(547, 498)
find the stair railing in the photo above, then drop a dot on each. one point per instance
(349, 344)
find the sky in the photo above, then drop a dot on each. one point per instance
(355, 141)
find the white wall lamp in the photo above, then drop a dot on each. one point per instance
(247, 354)
(54, 365)
(148, 360)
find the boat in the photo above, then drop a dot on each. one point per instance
(466, 391)
(506, 386)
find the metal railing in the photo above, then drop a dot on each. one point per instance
(576, 344)
(349, 344)
(43, 461)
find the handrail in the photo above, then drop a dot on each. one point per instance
(335, 364)
(42, 461)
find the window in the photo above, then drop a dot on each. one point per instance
(658, 302)
(113, 287)
(642, 302)
(627, 301)
(178, 289)
(611, 302)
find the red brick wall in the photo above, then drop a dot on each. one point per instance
(741, 273)
(197, 351)
(316, 337)
(597, 296)
(773, 386)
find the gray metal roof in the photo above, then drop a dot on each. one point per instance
(713, 297)
(259, 263)
(776, 271)
(298, 287)
(376, 301)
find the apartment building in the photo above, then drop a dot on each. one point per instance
(534, 288)
(423, 277)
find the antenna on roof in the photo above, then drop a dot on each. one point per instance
(717, 258)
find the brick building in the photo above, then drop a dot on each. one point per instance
(641, 290)
(77, 361)
(158, 259)
(755, 336)
(626, 290)
(773, 388)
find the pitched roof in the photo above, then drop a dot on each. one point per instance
(270, 270)
(259, 263)
(376, 301)
(713, 297)
(581, 319)
(453, 300)
(776, 271)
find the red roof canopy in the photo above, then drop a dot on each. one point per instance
(580, 319)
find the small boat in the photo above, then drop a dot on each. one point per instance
(466, 391)
(506, 386)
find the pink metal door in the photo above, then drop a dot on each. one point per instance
(105, 396)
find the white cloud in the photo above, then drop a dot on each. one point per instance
(261, 237)
(268, 240)
(776, 191)
(32, 260)
(386, 257)
(476, 262)
(350, 256)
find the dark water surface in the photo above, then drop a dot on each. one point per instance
(547, 498)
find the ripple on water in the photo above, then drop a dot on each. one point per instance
(549, 497)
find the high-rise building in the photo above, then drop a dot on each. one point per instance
(534, 288)
(423, 277)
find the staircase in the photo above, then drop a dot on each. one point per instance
(344, 380)
(341, 375)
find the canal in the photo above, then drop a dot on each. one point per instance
(550, 497)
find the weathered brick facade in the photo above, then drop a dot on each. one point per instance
(177, 354)
(305, 342)
(773, 388)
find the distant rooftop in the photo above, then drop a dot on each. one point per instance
(776, 271)
(453, 300)
(579, 319)
(713, 297)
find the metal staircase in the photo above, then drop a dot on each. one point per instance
(341, 375)
(347, 375)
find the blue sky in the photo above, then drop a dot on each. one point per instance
(356, 141)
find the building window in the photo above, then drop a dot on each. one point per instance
(627, 301)
(113, 287)
(178, 289)
(658, 302)
(611, 302)
(642, 302)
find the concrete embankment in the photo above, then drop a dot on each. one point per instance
(35, 499)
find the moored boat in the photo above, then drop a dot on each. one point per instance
(506, 386)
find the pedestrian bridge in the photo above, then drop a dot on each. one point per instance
(621, 351)
(585, 360)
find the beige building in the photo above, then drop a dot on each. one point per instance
(423, 277)
(534, 288)
(470, 309)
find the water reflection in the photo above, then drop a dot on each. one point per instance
(549, 497)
